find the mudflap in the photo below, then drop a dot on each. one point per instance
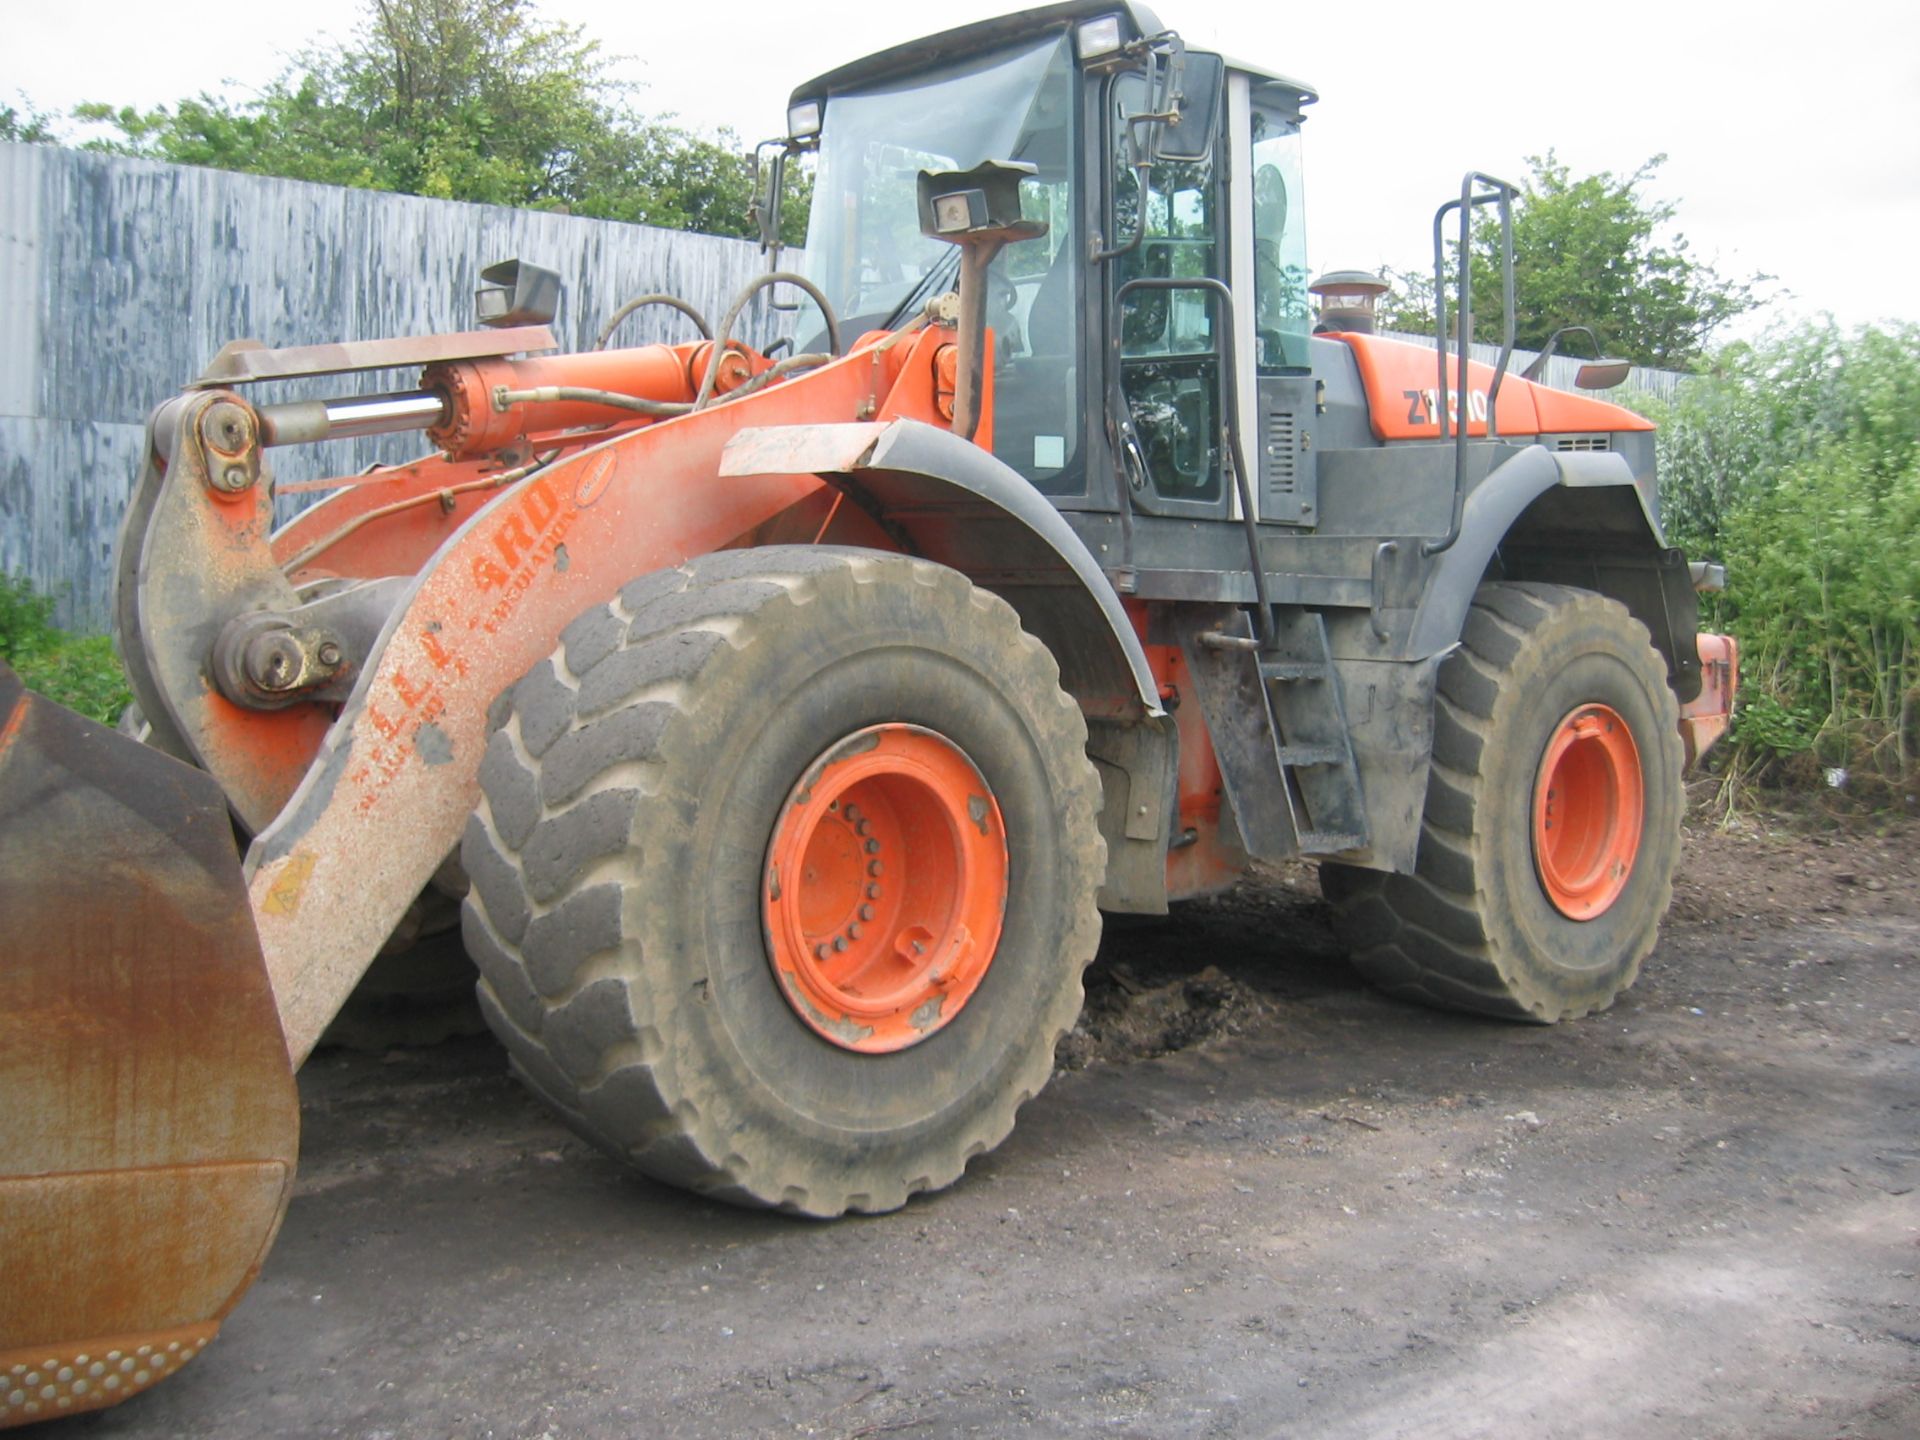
(148, 1117)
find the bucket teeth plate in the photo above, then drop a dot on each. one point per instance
(148, 1117)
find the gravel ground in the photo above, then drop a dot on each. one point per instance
(1259, 1200)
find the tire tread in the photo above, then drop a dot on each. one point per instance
(541, 913)
(1431, 936)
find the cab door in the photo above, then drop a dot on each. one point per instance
(1168, 344)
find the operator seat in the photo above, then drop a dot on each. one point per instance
(1050, 317)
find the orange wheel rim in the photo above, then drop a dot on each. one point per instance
(885, 888)
(1588, 805)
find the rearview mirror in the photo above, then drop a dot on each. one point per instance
(1602, 374)
(1193, 100)
(769, 183)
(1598, 374)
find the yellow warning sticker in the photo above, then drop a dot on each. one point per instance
(289, 883)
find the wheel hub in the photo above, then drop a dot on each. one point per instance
(885, 888)
(1588, 808)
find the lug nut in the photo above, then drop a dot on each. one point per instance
(873, 868)
(873, 893)
(866, 911)
(839, 944)
(853, 931)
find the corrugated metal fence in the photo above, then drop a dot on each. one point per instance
(1561, 369)
(120, 279)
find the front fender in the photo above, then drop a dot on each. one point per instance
(948, 500)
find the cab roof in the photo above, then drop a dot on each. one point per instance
(980, 36)
(992, 34)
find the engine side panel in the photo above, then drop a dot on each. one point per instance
(1403, 389)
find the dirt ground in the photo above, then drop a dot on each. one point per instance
(1259, 1200)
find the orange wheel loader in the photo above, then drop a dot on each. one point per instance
(782, 727)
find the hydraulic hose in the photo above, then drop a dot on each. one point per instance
(640, 302)
(754, 287)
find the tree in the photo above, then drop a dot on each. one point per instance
(477, 100)
(26, 126)
(1591, 251)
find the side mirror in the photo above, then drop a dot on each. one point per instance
(1192, 105)
(516, 293)
(769, 184)
(1597, 374)
(1602, 374)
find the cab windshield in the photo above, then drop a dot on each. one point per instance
(864, 246)
(866, 253)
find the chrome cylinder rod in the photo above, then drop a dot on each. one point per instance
(306, 421)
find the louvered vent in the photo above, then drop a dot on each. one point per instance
(1280, 461)
(1582, 442)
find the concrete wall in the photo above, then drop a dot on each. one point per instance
(120, 279)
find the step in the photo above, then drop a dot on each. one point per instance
(1329, 842)
(1297, 756)
(1289, 670)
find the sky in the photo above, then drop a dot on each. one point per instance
(1792, 132)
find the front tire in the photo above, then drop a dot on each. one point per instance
(648, 799)
(1552, 822)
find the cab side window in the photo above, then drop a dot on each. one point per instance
(1282, 323)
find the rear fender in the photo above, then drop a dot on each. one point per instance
(1575, 518)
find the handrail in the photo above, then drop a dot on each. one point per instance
(1501, 193)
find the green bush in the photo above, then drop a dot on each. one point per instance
(1797, 462)
(26, 619)
(1829, 560)
(79, 671)
(1765, 409)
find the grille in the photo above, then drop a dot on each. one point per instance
(1582, 442)
(1279, 458)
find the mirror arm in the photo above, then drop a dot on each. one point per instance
(1538, 365)
(1141, 146)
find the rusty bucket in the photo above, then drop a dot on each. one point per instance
(148, 1118)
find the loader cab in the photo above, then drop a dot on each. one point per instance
(1102, 401)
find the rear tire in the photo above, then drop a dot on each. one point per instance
(620, 859)
(1502, 915)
